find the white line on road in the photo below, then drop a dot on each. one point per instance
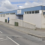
(13, 40)
(10, 39)
(2, 39)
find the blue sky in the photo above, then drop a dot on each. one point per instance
(17, 2)
(7, 5)
(20, 2)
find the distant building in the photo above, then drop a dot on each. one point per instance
(35, 15)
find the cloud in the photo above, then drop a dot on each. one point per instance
(29, 4)
(22, 0)
(6, 5)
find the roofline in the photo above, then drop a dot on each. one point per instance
(24, 8)
(19, 9)
(32, 7)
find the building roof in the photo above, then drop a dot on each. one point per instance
(26, 9)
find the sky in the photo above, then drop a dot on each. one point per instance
(8, 5)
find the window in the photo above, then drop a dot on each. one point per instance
(29, 12)
(32, 12)
(43, 13)
(7, 14)
(3, 15)
(37, 11)
(25, 12)
(0, 15)
(12, 13)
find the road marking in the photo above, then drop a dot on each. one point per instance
(0, 31)
(2, 39)
(12, 40)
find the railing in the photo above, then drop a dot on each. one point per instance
(23, 23)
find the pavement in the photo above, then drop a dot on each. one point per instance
(11, 35)
(40, 33)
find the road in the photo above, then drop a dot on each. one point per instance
(10, 36)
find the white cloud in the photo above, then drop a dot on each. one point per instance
(6, 5)
(22, 0)
(29, 4)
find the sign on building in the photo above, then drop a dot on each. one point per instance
(18, 11)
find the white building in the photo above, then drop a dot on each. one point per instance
(35, 15)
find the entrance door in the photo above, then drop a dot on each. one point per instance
(19, 17)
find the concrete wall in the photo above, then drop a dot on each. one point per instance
(33, 18)
(6, 17)
(43, 20)
(10, 16)
(22, 23)
(2, 18)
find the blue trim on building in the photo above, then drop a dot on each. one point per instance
(31, 9)
(26, 9)
(15, 11)
(19, 14)
(43, 8)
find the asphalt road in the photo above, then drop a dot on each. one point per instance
(10, 36)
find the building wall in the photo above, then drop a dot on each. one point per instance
(6, 17)
(10, 16)
(33, 18)
(2, 17)
(22, 23)
(43, 20)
